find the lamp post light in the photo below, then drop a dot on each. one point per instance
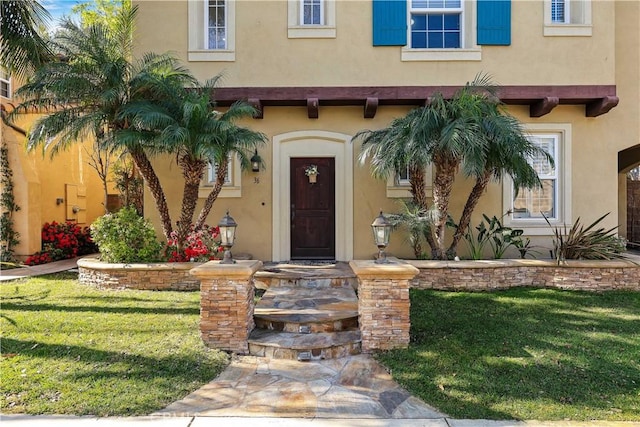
(227, 227)
(381, 231)
(255, 162)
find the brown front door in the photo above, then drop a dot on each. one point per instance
(313, 209)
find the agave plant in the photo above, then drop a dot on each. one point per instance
(580, 242)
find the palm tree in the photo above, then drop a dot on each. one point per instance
(188, 126)
(22, 46)
(507, 151)
(468, 132)
(88, 87)
(390, 150)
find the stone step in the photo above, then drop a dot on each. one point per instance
(304, 310)
(308, 275)
(304, 347)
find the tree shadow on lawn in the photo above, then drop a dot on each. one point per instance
(104, 375)
(99, 309)
(479, 352)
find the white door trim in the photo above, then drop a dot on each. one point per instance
(312, 144)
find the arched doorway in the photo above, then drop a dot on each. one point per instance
(629, 173)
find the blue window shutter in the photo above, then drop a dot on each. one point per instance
(494, 22)
(389, 22)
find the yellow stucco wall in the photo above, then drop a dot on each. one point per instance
(264, 56)
(39, 181)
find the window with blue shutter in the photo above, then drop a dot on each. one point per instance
(389, 22)
(494, 22)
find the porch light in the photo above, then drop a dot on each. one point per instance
(255, 162)
(381, 231)
(227, 227)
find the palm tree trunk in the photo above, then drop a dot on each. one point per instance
(192, 171)
(470, 205)
(221, 173)
(419, 192)
(146, 170)
(445, 170)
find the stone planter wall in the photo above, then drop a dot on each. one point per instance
(503, 274)
(171, 276)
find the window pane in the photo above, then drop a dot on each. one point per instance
(435, 40)
(452, 22)
(4, 89)
(311, 12)
(419, 4)
(534, 203)
(452, 40)
(558, 11)
(216, 30)
(540, 163)
(435, 22)
(418, 22)
(419, 40)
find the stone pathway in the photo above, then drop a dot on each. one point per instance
(350, 387)
(40, 270)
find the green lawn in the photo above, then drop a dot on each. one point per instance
(71, 349)
(524, 354)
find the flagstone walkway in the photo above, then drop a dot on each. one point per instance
(349, 387)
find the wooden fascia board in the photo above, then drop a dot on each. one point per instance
(598, 99)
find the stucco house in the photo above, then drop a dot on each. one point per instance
(62, 188)
(319, 71)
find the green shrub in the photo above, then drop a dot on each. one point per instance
(125, 237)
(588, 242)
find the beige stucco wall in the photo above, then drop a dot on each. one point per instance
(266, 57)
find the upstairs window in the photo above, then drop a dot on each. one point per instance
(567, 18)
(216, 18)
(212, 30)
(559, 11)
(5, 84)
(312, 12)
(436, 24)
(310, 19)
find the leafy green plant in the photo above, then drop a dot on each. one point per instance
(9, 238)
(124, 237)
(491, 231)
(417, 221)
(580, 242)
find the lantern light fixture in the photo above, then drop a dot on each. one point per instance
(227, 227)
(381, 232)
(255, 162)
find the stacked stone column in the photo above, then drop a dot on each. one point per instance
(226, 304)
(383, 304)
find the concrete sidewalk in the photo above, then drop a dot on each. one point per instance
(40, 270)
(160, 421)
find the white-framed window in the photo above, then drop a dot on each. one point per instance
(436, 24)
(567, 18)
(216, 24)
(311, 19)
(211, 30)
(399, 185)
(312, 12)
(232, 183)
(540, 202)
(553, 200)
(5, 84)
(441, 30)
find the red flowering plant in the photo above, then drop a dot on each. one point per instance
(62, 241)
(200, 245)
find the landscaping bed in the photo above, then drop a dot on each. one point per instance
(486, 275)
(165, 276)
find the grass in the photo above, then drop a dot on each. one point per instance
(524, 354)
(71, 349)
